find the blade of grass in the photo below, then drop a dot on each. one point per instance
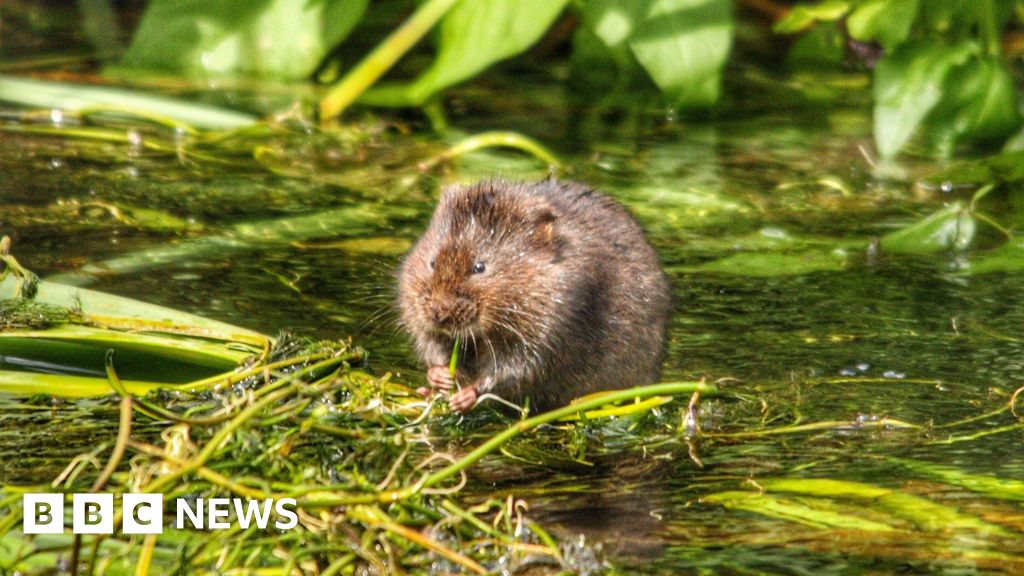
(59, 95)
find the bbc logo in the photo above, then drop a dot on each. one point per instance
(92, 513)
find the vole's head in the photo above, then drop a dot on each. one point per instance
(488, 263)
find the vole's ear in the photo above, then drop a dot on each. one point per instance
(543, 217)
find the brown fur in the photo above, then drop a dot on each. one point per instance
(572, 301)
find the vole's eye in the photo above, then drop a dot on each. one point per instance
(432, 262)
(479, 267)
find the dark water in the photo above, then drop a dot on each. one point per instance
(819, 330)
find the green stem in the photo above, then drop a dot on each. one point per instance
(338, 565)
(382, 58)
(453, 364)
(476, 522)
(146, 555)
(977, 435)
(814, 426)
(124, 430)
(495, 139)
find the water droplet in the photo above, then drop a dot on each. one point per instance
(893, 374)
(57, 117)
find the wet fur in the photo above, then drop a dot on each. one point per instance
(573, 299)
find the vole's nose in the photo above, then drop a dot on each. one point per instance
(451, 311)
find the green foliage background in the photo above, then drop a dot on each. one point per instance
(941, 72)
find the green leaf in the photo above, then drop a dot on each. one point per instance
(683, 45)
(477, 33)
(980, 104)
(201, 351)
(99, 304)
(886, 21)
(77, 97)
(908, 85)
(800, 17)
(950, 227)
(282, 39)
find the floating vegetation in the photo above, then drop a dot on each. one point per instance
(348, 446)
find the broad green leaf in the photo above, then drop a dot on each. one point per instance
(950, 227)
(886, 21)
(979, 104)
(203, 352)
(65, 386)
(282, 39)
(76, 97)
(908, 85)
(683, 45)
(478, 33)
(802, 16)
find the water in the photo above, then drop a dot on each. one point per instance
(819, 330)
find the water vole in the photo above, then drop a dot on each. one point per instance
(551, 288)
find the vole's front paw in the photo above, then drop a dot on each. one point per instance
(463, 400)
(439, 378)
